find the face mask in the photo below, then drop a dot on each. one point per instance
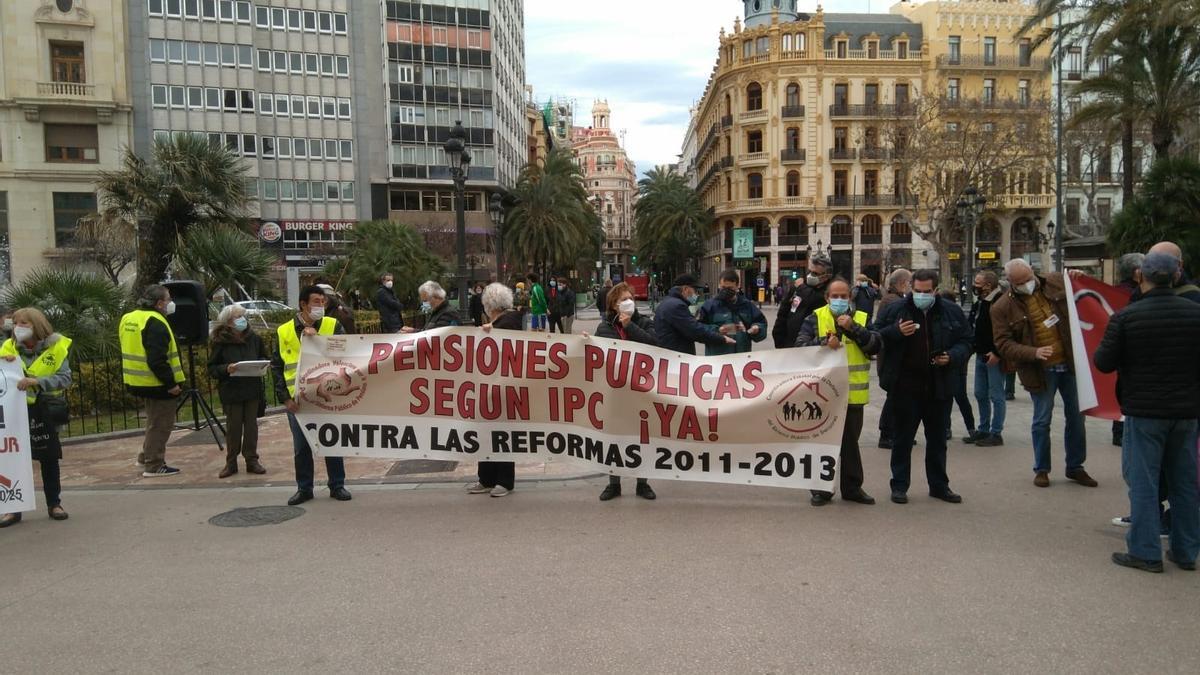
(317, 313)
(812, 280)
(553, 285)
(923, 301)
(627, 307)
(728, 294)
(839, 306)
(863, 284)
(426, 308)
(22, 334)
(693, 298)
(170, 308)
(388, 284)
(980, 292)
(1026, 288)
(241, 324)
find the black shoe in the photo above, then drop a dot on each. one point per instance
(820, 498)
(300, 497)
(1183, 565)
(990, 441)
(974, 437)
(1117, 439)
(899, 497)
(947, 496)
(1010, 397)
(1126, 560)
(611, 491)
(340, 493)
(859, 497)
(646, 492)
(885, 443)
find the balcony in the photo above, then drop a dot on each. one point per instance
(726, 122)
(977, 62)
(794, 240)
(842, 154)
(791, 112)
(759, 205)
(868, 201)
(66, 90)
(753, 159)
(991, 105)
(872, 110)
(789, 156)
(753, 116)
(708, 175)
(727, 162)
(1022, 201)
(33, 96)
(875, 154)
(881, 55)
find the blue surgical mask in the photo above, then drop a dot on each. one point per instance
(241, 324)
(923, 301)
(839, 306)
(693, 298)
(426, 307)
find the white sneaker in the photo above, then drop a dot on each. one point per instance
(478, 489)
(1121, 521)
(499, 491)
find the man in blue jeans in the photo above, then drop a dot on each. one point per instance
(1152, 346)
(1030, 326)
(989, 377)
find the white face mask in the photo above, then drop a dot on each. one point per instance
(317, 313)
(1027, 288)
(170, 308)
(22, 333)
(387, 284)
(627, 307)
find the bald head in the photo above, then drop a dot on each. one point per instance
(1168, 247)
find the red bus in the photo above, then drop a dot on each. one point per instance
(640, 284)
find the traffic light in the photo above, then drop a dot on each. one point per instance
(795, 275)
(635, 258)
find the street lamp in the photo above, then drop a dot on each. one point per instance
(970, 209)
(496, 210)
(459, 160)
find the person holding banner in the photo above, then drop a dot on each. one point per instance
(44, 355)
(674, 326)
(732, 314)
(285, 362)
(438, 312)
(1031, 328)
(498, 478)
(623, 322)
(841, 325)
(1152, 346)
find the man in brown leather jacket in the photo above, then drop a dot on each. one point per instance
(1032, 332)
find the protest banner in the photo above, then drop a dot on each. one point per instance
(16, 463)
(768, 418)
(1092, 303)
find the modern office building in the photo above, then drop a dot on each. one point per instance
(611, 181)
(65, 115)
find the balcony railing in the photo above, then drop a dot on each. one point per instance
(753, 115)
(766, 204)
(1022, 201)
(727, 162)
(726, 122)
(708, 175)
(66, 90)
(752, 158)
(793, 240)
(977, 62)
(875, 153)
(842, 154)
(872, 110)
(868, 200)
(791, 112)
(797, 155)
(865, 238)
(990, 104)
(881, 55)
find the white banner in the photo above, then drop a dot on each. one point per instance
(765, 418)
(16, 463)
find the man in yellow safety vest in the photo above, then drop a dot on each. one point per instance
(839, 325)
(285, 361)
(152, 371)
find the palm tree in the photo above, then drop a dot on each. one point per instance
(382, 246)
(187, 182)
(670, 221)
(222, 256)
(83, 306)
(552, 224)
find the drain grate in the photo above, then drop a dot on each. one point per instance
(255, 516)
(408, 467)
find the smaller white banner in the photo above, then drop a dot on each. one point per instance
(16, 464)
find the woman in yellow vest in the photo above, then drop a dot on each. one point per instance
(838, 325)
(43, 354)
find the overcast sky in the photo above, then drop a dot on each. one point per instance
(649, 58)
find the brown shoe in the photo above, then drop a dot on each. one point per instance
(1042, 479)
(229, 470)
(1080, 476)
(57, 512)
(253, 466)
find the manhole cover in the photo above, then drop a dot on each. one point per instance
(409, 467)
(255, 516)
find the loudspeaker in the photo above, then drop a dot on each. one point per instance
(190, 320)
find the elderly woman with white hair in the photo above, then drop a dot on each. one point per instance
(438, 312)
(497, 478)
(243, 398)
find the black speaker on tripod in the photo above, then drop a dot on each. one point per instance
(189, 322)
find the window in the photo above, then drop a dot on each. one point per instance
(296, 63)
(441, 77)
(343, 66)
(174, 51)
(902, 49)
(793, 184)
(158, 51)
(326, 64)
(264, 60)
(310, 21)
(266, 104)
(270, 189)
(212, 98)
(281, 62)
(314, 106)
(1104, 210)
(247, 100)
(230, 97)
(284, 147)
(1103, 64)
(311, 64)
(278, 18)
(66, 62)
(314, 148)
(302, 190)
(208, 9)
(793, 95)
(871, 182)
(177, 97)
(300, 148)
(229, 55)
(262, 16)
(348, 194)
(1072, 212)
(343, 105)
(952, 89)
(155, 8)
(901, 95)
(754, 142)
(871, 137)
(1024, 52)
(293, 20)
(1023, 92)
(841, 96)
(212, 53)
(158, 96)
(243, 12)
(339, 24)
(331, 149)
(955, 45)
(754, 98)
(840, 138)
(989, 51)
(297, 106)
(840, 48)
(793, 139)
(226, 7)
(474, 39)
(404, 74)
(747, 49)
(248, 145)
(287, 190)
(281, 104)
(195, 98)
(325, 22)
(268, 147)
(754, 186)
(1074, 63)
(441, 36)
(839, 183)
(989, 90)
(69, 207)
(233, 143)
(332, 191)
(328, 108)
(871, 95)
(347, 148)
(173, 8)
(873, 49)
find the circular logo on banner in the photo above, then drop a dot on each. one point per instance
(803, 407)
(333, 385)
(270, 232)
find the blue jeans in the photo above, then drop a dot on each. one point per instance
(302, 454)
(1043, 409)
(1148, 447)
(989, 394)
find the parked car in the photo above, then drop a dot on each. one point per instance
(255, 308)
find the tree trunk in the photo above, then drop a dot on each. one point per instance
(1126, 162)
(154, 254)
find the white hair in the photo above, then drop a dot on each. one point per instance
(497, 298)
(432, 289)
(229, 313)
(1016, 264)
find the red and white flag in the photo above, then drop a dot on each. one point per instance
(1093, 302)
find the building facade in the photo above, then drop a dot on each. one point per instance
(65, 115)
(611, 181)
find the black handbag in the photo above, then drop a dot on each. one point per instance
(53, 410)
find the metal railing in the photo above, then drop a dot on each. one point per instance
(789, 112)
(842, 154)
(872, 110)
(977, 62)
(797, 155)
(869, 200)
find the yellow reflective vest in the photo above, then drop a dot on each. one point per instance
(135, 363)
(45, 365)
(860, 363)
(289, 348)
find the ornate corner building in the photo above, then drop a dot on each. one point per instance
(612, 187)
(790, 137)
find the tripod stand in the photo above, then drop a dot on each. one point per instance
(199, 404)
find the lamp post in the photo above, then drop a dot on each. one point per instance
(459, 160)
(496, 211)
(970, 209)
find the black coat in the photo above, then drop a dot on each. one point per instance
(640, 329)
(475, 306)
(510, 320)
(981, 319)
(1152, 344)
(444, 316)
(788, 323)
(223, 352)
(389, 307)
(677, 330)
(950, 334)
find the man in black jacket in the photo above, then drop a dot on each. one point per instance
(565, 306)
(153, 372)
(1152, 346)
(803, 300)
(927, 342)
(989, 376)
(390, 319)
(438, 312)
(674, 326)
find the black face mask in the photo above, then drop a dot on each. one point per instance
(727, 294)
(980, 291)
